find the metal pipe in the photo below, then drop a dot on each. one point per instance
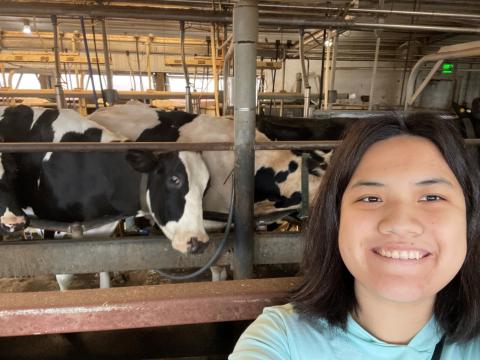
(284, 64)
(245, 30)
(424, 83)
(374, 73)
(87, 53)
(188, 95)
(132, 12)
(435, 57)
(334, 65)
(214, 68)
(372, 11)
(59, 95)
(226, 74)
(326, 81)
(22, 147)
(306, 85)
(87, 94)
(322, 70)
(106, 55)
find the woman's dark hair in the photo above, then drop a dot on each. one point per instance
(327, 287)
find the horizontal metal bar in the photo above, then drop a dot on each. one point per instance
(139, 306)
(296, 145)
(131, 12)
(384, 12)
(171, 146)
(88, 94)
(113, 146)
(69, 256)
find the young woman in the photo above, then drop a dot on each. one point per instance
(391, 263)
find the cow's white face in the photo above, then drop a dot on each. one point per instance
(176, 184)
(12, 218)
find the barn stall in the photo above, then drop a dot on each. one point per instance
(332, 61)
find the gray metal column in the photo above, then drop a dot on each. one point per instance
(59, 94)
(245, 29)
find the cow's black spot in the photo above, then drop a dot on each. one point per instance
(292, 166)
(266, 188)
(285, 202)
(168, 126)
(90, 135)
(169, 203)
(281, 176)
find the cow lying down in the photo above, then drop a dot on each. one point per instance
(277, 172)
(72, 187)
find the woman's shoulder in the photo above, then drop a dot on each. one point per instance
(280, 332)
(463, 350)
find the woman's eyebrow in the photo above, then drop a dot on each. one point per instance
(426, 182)
(434, 181)
(367, 183)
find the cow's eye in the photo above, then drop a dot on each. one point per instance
(175, 181)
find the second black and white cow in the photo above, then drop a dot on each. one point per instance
(68, 186)
(277, 173)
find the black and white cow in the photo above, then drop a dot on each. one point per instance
(67, 186)
(277, 173)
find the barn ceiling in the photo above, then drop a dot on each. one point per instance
(356, 44)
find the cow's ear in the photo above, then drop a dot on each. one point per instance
(142, 161)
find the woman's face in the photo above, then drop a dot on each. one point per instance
(403, 221)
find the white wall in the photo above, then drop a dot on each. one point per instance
(349, 78)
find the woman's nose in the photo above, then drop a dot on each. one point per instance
(402, 221)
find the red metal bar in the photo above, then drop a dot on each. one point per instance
(139, 306)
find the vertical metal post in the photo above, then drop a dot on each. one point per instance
(188, 95)
(284, 64)
(374, 72)
(326, 85)
(375, 61)
(109, 93)
(59, 95)
(245, 29)
(306, 85)
(334, 67)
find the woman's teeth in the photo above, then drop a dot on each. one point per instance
(400, 254)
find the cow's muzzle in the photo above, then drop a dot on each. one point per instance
(194, 246)
(15, 225)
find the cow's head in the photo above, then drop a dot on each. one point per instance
(12, 218)
(175, 187)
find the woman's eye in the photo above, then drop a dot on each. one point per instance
(370, 199)
(431, 198)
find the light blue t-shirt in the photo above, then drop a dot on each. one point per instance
(279, 334)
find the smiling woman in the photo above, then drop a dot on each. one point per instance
(390, 267)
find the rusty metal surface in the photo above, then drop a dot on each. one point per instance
(113, 146)
(69, 256)
(138, 307)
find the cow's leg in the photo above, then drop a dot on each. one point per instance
(104, 280)
(64, 281)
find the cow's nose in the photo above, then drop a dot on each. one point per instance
(12, 228)
(195, 246)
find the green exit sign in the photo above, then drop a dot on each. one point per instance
(447, 68)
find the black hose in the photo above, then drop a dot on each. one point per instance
(89, 62)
